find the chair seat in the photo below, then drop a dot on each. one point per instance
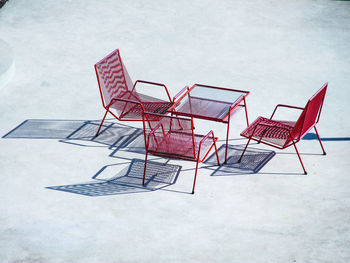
(134, 111)
(180, 145)
(277, 135)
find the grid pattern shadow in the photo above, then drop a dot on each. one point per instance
(79, 132)
(127, 180)
(252, 162)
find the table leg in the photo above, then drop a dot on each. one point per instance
(246, 112)
(227, 135)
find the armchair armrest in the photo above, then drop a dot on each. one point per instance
(152, 83)
(178, 97)
(285, 106)
(179, 93)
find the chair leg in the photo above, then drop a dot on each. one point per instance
(295, 147)
(240, 159)
(195, 177)
(319, 139)
(99, 128)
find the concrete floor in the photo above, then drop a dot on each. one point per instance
(67, 198)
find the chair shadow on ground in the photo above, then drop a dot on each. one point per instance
(252, 162)
(115, 136)
(126, 180)
(313, 136)
(122, 137)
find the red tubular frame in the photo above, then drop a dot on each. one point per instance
(286, 106)
(182, 96)
(196, 157)
(176, 102)
(299, 129)
(152, 83)
(205, 156)
(226, 119)
(179, 93)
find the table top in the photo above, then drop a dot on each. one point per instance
(208, 102)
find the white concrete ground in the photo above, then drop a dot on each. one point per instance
(65, 198)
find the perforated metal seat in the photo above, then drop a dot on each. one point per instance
(278, 134)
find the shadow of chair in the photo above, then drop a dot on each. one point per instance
(126, 180)
(255, 159)
(116, 136)
(313, 136)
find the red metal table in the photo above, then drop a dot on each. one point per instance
(210, 103)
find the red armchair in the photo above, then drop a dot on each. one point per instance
(284, 133)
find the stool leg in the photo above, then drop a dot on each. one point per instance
(195, 177)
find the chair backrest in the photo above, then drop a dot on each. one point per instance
(311, 113)
(169, 135)
(113, 78)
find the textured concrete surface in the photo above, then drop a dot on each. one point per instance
(7, 64)
(67, 198)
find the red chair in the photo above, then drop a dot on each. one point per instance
(282, 133)
(174, 137)
(115, 83)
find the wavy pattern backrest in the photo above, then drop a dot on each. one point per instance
(311, 113)
(114, 81)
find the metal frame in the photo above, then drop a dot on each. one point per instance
(172, 153)
(132, 98)
(240, 102)
(293, 140)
